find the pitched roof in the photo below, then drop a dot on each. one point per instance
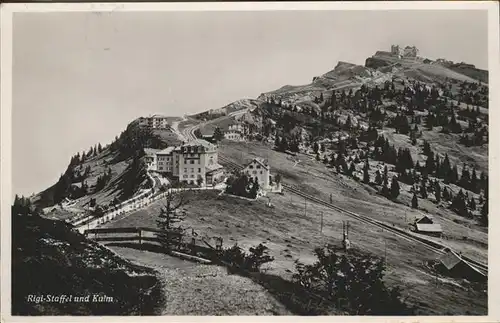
(166, 151)
(259, 160)
(211, 168)
(425, 227)
(151, 151)
(199, 142)
(425, 219)
(158, 116)
(450, 259)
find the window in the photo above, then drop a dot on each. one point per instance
(185, 176)
(161, 168)
(198, 161)
(192, 176)
(199, 170)
(258, 166)
(191, 161)
(261, 172)
(254, 172)
(251, 166)
(185, 170)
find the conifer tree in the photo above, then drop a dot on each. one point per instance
(414, 201)
(352, 169)
(394, 187)
(423, 190)
(366, 175)
(437, 191)
(378, 177)
(465, 179)
(474, 183)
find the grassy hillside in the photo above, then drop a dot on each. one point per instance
(291, 230)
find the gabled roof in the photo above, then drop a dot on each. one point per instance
(450, 259)
(151, 151)
(425, 219)
(260, 161)
(214, 167)
(166, 151)
(425, 227)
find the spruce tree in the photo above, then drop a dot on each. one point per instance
(474, 183)
(423, 190)
(378, 177)
(366, 175)
(394, 187)
(414, 201)
(352, 169)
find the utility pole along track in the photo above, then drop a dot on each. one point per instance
(433, 246)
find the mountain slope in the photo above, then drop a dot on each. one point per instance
(50, 260)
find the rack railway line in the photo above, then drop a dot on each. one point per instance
(432, 246)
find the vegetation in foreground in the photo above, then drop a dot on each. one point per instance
(49, 258)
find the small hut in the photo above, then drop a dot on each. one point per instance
(452, 264)
(426, 225)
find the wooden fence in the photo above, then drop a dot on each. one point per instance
(183, 242)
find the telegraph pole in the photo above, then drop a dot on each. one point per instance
(321, 227)
(385, 250)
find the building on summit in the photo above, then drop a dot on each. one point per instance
(408, 51)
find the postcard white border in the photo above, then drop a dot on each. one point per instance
(7, 11)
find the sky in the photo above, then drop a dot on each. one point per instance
(79, 78)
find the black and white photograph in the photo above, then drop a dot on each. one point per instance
(248, 159)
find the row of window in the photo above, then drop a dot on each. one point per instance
(251, 167)
(192, 170)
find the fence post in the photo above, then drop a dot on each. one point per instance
(140, 236)
(193, 246)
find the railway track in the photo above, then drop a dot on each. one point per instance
(432, 246)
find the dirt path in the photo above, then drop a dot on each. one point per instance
(195, 289)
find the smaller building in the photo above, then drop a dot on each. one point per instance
(235, 132)
(214, 174)
(150, 158)
(410, 51)
(452, 264)
(259, 170)
(426, 225)
(396, 50)
(155, 121)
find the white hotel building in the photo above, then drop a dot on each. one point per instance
(192, 163)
